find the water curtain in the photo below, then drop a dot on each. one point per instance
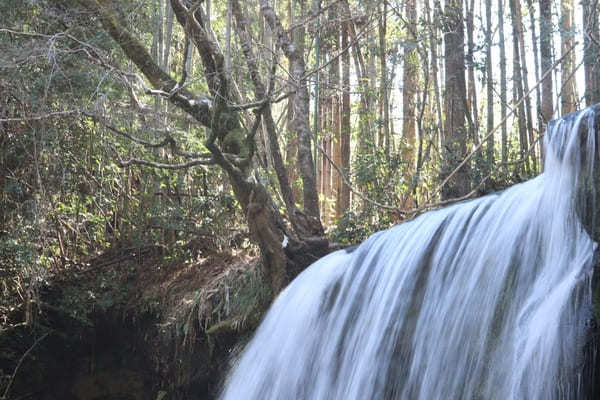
(486, 299)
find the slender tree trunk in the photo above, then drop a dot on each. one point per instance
(362, 77)
(166, 59)
(455, 134)
(300, 123)
(518, 83)
(334, 80)
(409, 90)
(546, 59)
(489, 83)
(433, 46)
(503, 98)
(372, 85)
(472, 108)
(363, 112)
(568, 97)
(228, 38)
(325, 131)
(242, 29)
(525, 81)
(292, 139)
(345, 134)
(536, 64)
(384, 105)
(592, 51)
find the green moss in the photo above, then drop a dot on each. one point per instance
(235, 143)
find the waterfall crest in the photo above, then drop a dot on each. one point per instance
(486, 299)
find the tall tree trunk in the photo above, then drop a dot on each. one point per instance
(568, 96)
(166, 59)
(384, 105)
(472, 108)
(455, 134)
(592, 51)
(265, 224)
(409, 90)
(536, 64)
(362, 76)
(372, 83)
(298, 222)
(518, 82)
(433, 46)
(525, 81)
(546, 59)
(489, 83)
(503, 98)
(228, 38)
(295, 53)
(291, 156)
(334, 80)
(345, 134)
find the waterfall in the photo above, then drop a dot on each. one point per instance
(486, 299)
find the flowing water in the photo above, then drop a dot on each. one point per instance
(487, 299)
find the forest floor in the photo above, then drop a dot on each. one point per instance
(134, 323)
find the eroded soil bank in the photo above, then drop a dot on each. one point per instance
(133, 324)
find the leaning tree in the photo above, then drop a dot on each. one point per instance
(289, 240)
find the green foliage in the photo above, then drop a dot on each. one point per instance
(21, 274)
(161, 395)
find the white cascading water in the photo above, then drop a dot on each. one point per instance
(487, 299)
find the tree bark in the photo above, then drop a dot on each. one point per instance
(529, 138)
(568, 96)
(591, 51)
(344, 201)
(409, 90)
(334, 79)
(300, 122)
(536, 64)
(489, 83)
(518, 83)
(546, 59)
(283, 256)
(384, 106)
(455, 133)
(503, 99)
(472, 107)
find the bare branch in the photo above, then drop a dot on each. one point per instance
(248, 106)
(352, 189)
(167, 141)
(259, 104)
(39, 117)
(192, 163)
(135, 50)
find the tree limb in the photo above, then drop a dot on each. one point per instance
(188, 164)
(198, 107)
(167, 141)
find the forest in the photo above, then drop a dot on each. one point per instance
(167, 167)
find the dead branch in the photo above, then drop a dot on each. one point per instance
(40, 117)
(188, 164)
